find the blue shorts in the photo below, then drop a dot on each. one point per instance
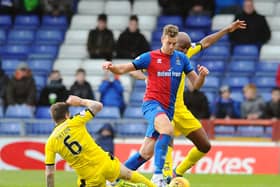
(150, 110)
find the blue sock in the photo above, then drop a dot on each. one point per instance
(135, 161)
(160, 152)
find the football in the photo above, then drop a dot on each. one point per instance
(179, 182)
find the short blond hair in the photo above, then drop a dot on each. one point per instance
(170, 30)
(250, 87)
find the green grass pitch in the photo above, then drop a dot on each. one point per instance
(68, 179)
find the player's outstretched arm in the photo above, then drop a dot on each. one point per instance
(213, 38)
(50, 175)
(93, 106)
(118, 68)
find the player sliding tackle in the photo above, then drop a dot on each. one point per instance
(165, 68)
(184, 122)
(71, 140)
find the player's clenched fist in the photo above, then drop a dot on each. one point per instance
(203, 71)
(107, 65)
(74, 100)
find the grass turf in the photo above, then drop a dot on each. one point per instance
(68, 179)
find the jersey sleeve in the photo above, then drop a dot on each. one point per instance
(142, 61)
(194, 49)
(187, 65)
(82, 118)
(49, 153)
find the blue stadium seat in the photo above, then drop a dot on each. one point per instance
(216, 52)
(1, 111)
(211, 83)
(268, 132)
(40, 81)
(136, 98)
(43, 51)
(221, 130)
(266, 69)
(75, 110)
(57, 22)
(236, 82)
(49, 36)
(39, 128)
(221, 4)
(43, 112)
(94, 127)
(131, 129)
(156, 45)
(40, 66)
(19, 111)
(21, 36)
(246, 52)
(196, 35)
(211, 97)
(198, 22)
(16, 51)
(10, 65)
(265, 95)
(250, 131)
(237, 96)
(241, 67)
(164, 20)
(139, 84)
(216, 67)
(9, 129)
(265, 82)
(133, 112)
(156, 36)
(3, 37)
(26, 22)
(109, 113)
(5, 22)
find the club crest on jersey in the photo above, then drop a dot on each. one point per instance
(159, 61)
(178, 62)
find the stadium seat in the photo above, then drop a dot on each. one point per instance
(270, 52)
(147, 35)
(275, 38)
(43, 112)
(156, 36)
(73, 51)
(109, 113)
(19, 111)
(196, 35)
(40, 66)
(93, 67)
(26, 22)
(236, 82)
(21, 36)
(94, 80)
(147, 23)
(216, 52)
(126, 82)
(211, 83)
(264, 82)
(133, 112)
(215, 67)
(1, 111)
(131, 129)
(43, 51)
(222, 4)
(117, 22)
(246, 52)
(221, 130)
(266, 68)
(210, 97)
(57, 22)
(241, 67)
(3, 37)
(274, 23)
(118, 8)
(91, 7)
(68, 80)
(94, 127)
(39, 128)
(10, 65)
(265, 95)
(164, 20)
(49, 36)
(277, 9)
(265, 8)
(75, 110)
(84, 22)
(15, 51)
(78, 37)
(198, 22)
(237, 96)
(136, 98)
(40, 81)
(221, 20)
(146, 8)
(139, 84)
(67, 66)
(5, 22)
(250, 131)
(10, 129)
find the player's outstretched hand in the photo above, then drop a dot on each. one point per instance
(107, 65)
(203, 71)
(238, 24)
(74, 100)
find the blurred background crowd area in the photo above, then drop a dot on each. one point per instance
(50, 49)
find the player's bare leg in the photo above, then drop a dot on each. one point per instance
(202, 146)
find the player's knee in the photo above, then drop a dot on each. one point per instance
(205, 147)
